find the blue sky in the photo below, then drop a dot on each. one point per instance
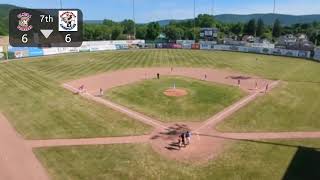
(151, 10)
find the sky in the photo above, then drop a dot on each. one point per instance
(152, 10)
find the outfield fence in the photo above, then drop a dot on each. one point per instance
(261, 50)
(317, 54)
(87, 46)
(92, 46)
(207, 45)
(2, 53)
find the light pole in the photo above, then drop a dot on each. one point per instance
(60, 4)
(212, 8)
(194, 19)
(274, 12)
(316, 41)
(134, 19)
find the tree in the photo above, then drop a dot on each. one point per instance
(260, 28)
(141, 32)
(108, 22)
(116, 32)
(237, 29)
(277, 29)
(315, 37)
(153, 31)
(188, 33)
(173, 32)
(250, 28)
(2, 31)
(205, 21)
(128, 26)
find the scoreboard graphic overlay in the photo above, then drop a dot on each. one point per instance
(46, 27)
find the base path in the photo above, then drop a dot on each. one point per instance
(269, 135)
(117, 78)
(209, 125)
(17, 161)
(90, 141)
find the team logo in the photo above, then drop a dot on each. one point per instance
(68, 20)
(24, 19)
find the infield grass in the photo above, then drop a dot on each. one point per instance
(203, 100)
(242, 160)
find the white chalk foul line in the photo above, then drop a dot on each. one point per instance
(226, 111)
(233, 107)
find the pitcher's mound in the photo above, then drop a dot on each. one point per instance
(175, 92)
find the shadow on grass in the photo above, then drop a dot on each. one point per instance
(305, 164)
(238, 77)
(172, 134)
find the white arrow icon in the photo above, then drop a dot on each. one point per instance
(46, 32)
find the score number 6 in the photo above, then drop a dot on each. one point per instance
(24, 38)
(67, 38)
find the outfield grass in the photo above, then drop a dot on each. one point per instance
(73, 66)
(243, 160)
(40, 109)
(291, 106)
(204, 99)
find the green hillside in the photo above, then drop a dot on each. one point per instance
(267, 18)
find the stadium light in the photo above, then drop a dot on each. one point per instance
(212, 8)
(134, 19)
(274, 12)
(194, 19)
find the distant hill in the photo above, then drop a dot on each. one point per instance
(93, 21)
(235, 18)
(267, 18)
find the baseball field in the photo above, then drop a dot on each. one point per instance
(251, 116)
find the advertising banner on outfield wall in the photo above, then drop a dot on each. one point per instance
(205, 46)
(195, 46)
(21, 52)
(105, 47)
(317, 54)
(222, 47)
(84, 48)
(50, 51)
(63, 50)
(185, 42)
(2, 55)
(34, 51)
(17, 52)
(120, 46)
(270, 51)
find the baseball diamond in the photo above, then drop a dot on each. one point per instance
(74, 113)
